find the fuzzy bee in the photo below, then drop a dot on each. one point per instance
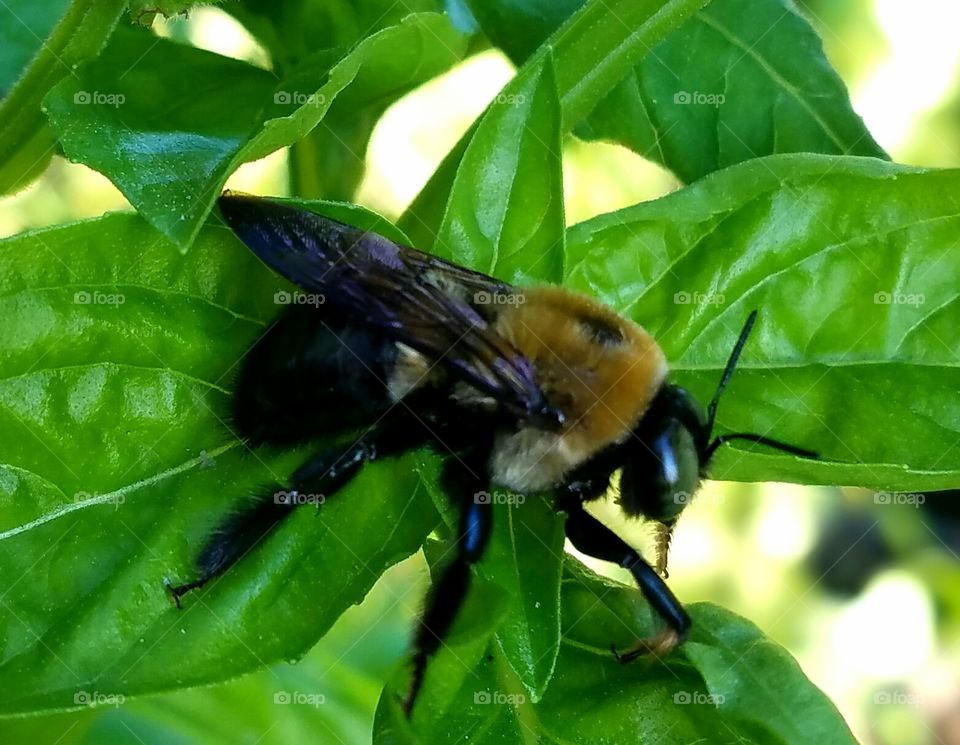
(534, 389)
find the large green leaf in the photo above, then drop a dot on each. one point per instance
(119, 460)
(740, 79)
(168, 123)
(55, 39)
(412, 44)
(115, 447)
(849, 261)
(332, 690)
(716, 688)
(525, 558)
(505, 213)
(329, 161)
(163, 121)
(593, 51)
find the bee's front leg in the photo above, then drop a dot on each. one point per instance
(594, 538)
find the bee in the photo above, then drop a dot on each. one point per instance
(535, 389)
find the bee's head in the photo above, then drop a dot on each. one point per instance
(669, 450)
(666, 456)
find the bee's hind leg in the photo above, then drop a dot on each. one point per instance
(595, 539)
(319, 477)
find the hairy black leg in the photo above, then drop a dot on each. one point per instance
(465, 479)
(594, 538)
(318, 477)
(322, 474)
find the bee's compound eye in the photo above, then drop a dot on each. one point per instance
(678, 471)
(661, 474)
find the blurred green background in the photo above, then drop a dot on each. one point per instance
(863, 588)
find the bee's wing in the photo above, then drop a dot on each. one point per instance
(410, 296)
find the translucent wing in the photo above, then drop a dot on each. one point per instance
(412, 297)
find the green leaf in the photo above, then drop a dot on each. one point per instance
(119, 461)
(719, 689)
(592, 52)
(81, 31)
(293, 32)
(418, 32)
(464, 655)
(758, 694)
(516, 588)
(505, 213)
(525, 558)
(848, 261)
(163, 121)
(25, 24)
(333, 690)
(329, 161)
(738, 80)
(138, 115)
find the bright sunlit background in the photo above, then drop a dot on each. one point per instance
(865, 595)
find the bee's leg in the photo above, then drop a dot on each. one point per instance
(595, 539)
(447, 594)
(317, 478)
(590, 480)
(242, 530)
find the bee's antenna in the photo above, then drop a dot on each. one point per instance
(712, 408)
(768, 441)
(728, 370)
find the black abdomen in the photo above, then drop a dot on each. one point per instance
(309, 377)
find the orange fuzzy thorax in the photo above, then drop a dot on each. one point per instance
(601, 370)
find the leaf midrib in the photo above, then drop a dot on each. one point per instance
(110, 497)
